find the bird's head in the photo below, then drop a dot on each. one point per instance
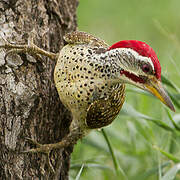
(140, 66)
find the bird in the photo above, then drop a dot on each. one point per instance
(90, 77)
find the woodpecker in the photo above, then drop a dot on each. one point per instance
(90, 77)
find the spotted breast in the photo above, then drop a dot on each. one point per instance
(84, 78)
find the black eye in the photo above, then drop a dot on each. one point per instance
(146, 68)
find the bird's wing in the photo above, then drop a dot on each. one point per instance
(79, 37)
(103, 111)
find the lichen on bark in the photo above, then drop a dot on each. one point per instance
(29, 103)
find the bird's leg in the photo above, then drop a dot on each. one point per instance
(71, 139)
(30, 48)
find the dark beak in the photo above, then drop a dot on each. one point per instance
(155, 87)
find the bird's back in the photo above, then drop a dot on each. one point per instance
(84, 82)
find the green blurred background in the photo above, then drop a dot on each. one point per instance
(134, 137)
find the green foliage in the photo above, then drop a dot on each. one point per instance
(143, 143)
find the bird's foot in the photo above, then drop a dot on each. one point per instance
(40, 148)
(45, 149)
(30, 48)
(68, 140)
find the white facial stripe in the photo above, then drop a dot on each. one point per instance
(131, 52)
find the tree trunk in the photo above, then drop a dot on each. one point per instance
(29, 103)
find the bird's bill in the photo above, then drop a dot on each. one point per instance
(156, 88)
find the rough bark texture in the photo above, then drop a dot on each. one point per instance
(29, 103)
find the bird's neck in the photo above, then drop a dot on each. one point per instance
(123, 64)
(113, 63)
(120, 58)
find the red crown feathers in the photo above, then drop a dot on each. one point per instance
(142, 49)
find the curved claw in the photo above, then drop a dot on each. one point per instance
(50, 165)
(12, 51)
(33, 141)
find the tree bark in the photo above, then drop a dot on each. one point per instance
(29, 103)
